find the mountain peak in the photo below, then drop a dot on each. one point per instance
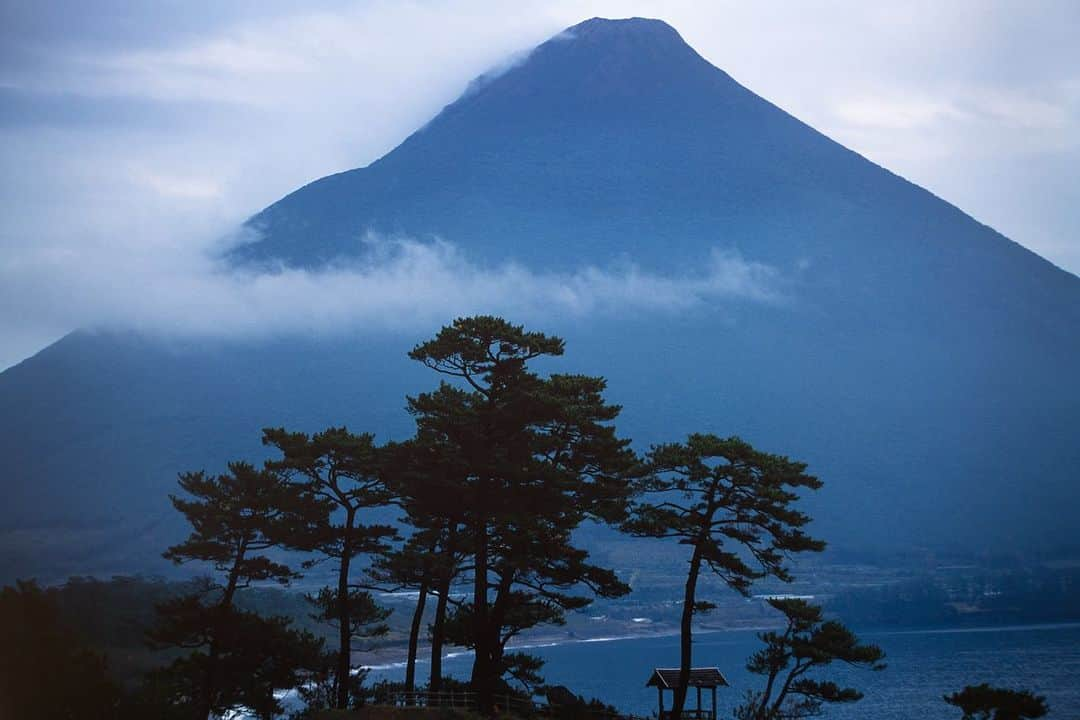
(629, 44)
(599, 27)
(602, 62)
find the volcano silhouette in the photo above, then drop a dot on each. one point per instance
(923, 364)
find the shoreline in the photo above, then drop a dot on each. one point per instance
(395, 657)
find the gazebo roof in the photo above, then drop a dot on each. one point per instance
(668, 678)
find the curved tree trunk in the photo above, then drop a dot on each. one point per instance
(497, 622)
(437, 633)
(344, 659)
(205, 705)
(414, 636)
(686, 629)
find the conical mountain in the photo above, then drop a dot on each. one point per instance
(616, 140)
(922, 363)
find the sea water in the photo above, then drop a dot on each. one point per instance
(923, 665)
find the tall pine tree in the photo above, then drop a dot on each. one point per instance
(538, 456)
(344, 472)
(428, 483)
(236, 518)
(734, 507)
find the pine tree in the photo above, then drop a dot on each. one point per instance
(235, 517)
(790, 659)
(537, 457)
(733, 506)
(247, 657)
(344, 472)
(409, 567)
(428, 484)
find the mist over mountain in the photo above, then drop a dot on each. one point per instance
(923, 364)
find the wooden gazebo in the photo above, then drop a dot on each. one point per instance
(668, 678)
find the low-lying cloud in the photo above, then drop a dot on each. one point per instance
(399, 283)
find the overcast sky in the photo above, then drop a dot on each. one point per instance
(132, 138)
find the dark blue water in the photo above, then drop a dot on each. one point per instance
(922, 666)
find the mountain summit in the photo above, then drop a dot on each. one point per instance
(613, 127)
(601, 62)
(923, 364)
(615, 139)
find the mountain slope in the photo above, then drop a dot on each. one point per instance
(922, 363)
(616, 139)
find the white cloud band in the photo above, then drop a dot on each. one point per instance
(402, 283)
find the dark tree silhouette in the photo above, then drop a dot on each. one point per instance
(984, 702)
(45, 671)
(428, 485)
(410, 566)
(790, 659)
(733, 506)
(235, 517)
(344, 472)
(537, 456)
(252, 656)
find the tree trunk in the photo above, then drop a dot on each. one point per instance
(344, 659)
(497, 643)
(205, 705)
(686, 645)
(481, 672)
(437, 633)
(414, 636)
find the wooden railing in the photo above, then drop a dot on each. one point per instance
(689, 714)
(466, 700)
(459, 699)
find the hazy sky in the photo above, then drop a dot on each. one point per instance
(132, 138)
